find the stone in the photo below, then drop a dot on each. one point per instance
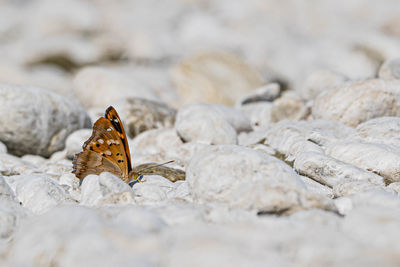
(259, 114)
(34, 160)
(72, 185)
(244, 178)
(359, 102)
(154, 189)
(101, 87)
(376, 158)
(380, 231)
(215, 77)
(95, 234)
(330, 171)
(105, 188)
(143, 115)
(316, 187)
(75, 141)
(320, 81)
(266, 93)
(288, 108)
(210, 123)
(390, 69)
(354, 187)
(382, 130)
(11, 215)
(49, 117)
(6, 193)
(178, 213)
(290, 138)
(40, 194)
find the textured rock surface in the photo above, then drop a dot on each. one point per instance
(359, 102)
(390, 69)
(143, 115)
(220, 78)
(320, 81)
(383, 130)
(49, 117)
(245, 178)
(74, 142)
(376, 158)
(211, 124)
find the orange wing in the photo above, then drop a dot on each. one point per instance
(112, 116)
(106, 150)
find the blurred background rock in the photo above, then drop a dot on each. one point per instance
(184, 51)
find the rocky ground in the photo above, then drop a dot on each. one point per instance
(285, 116)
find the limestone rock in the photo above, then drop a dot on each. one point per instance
(368, 156)
(210, 123)
(359, 102)
(214, 77)
(320, 81)
(49, 117)
(40, 194)
(330, 171)
(143, 115)
(390, 69)
(383, 130)
(288, 108)
(105, 188)
(245, 178)
(266, 93)
(75, 141)
(95, 234)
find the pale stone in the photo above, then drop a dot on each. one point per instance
(215, 77)
(288, 108)
(105, 188)
(244, 178)
(383, 130)
(381, 230)
(210, 123)
(266, 93)
(6, 193)
(330, 171)
(376, 158)
(143, 115)
(49, 117)
(40, 194)
(320, 81)
(259, 114)
(101, 87)
(390, 69)
(95, 235)
(75, 140)
(11, 215)
(153, 190)
(316, 187)
(359, 102)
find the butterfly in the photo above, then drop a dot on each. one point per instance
(107, 150)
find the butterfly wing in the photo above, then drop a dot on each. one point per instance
(89, 162)
(105, 150)
(112, 116)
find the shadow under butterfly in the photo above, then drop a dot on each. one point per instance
(107, 150)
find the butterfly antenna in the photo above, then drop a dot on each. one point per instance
(161, 164)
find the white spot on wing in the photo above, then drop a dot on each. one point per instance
(108, 152)
(109, 129)
(101, 141)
